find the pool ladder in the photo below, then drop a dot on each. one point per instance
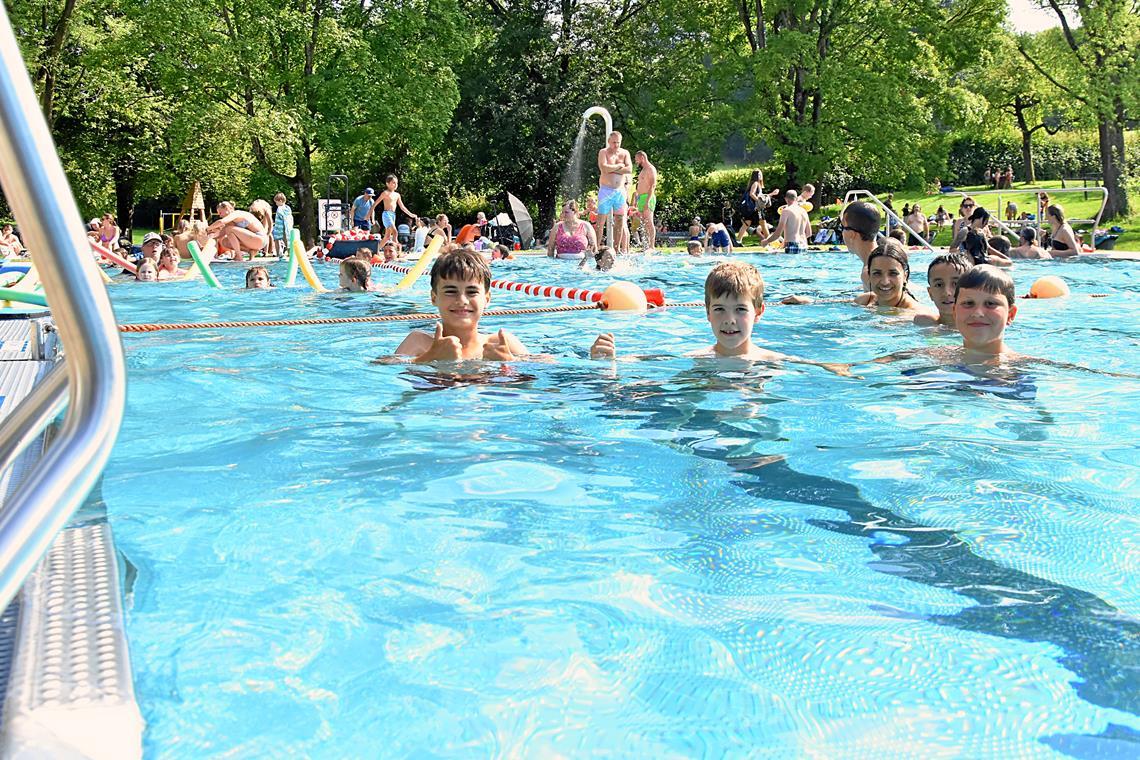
(91, 380)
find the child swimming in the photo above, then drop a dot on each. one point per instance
(942, 281)
(257, 278)
(734, 303)
(984, 305)
(147, 271)
(460, 289)
(355, 275)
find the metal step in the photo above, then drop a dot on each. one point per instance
(65, 673)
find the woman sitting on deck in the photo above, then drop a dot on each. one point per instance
(241, 232)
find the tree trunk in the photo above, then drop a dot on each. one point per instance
(792, 180)
(1111, 133)
(306, 200)
(1027, 155)
(124, 177)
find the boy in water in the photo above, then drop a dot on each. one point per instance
(355, 275)
(388, 201)
(984, 304)
(942, 281)
(461, 290)
(734, 302)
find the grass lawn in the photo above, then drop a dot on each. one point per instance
(1075, 205)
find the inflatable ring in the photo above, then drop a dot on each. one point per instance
(805, 205)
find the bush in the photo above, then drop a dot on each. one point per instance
(1064, 155)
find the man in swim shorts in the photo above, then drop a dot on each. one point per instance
(614, 165)
(647, 196)
(794, 226)
(362, 210)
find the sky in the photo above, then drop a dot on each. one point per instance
(1024, 16)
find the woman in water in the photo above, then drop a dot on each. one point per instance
(1028, 248)
(1064, 239)
(888, 272)
(570, 238)
(965, 208)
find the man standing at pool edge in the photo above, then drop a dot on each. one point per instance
(362, 210)
(614, 164)
(647, 197)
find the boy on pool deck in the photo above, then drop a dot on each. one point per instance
(942, 280)
(734, 302)
(461, 290)
(388, 201)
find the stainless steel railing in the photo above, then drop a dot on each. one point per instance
(888, 214)
(37, 190)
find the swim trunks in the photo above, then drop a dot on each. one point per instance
(611, 200)
(362, 224)
(387, 219)
(720, 239)
(646, 201)
(793, 248)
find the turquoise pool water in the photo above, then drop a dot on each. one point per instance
(670, 557)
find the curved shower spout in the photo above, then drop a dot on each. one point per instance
(599, 111)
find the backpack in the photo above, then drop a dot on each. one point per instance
(746, 201)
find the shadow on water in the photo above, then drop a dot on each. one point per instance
(1100, 644)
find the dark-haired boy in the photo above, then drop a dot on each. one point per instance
(461, 290)
(984, 304)
(859, 225)
(942, 281)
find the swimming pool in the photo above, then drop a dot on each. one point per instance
(666, 557)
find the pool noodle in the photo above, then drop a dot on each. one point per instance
(291, 279)
(203, 266)
(419, 267)
(115, 258)
(297, 253)
(11, 294)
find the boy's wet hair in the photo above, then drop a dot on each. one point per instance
(363, 253)
(357, 269)
(988, 279)
(461, 264)
(863, 219)
(253, 271)
(960, 263)
(734, 278)
(695, 245)
(897, 234)
(604, 258)
(1000, 244)
(1028, 234)
(891, 249)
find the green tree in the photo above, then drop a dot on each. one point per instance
(312, 81)
(1099, 61)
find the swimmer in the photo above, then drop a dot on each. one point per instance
(603, 260)
(614, 167)
(859, 227)
(388, 201)
(695, 248)
(501, 253)
(1065, 242)
(984, 305)
(355, 275)
(888, 273)
(168, 266)
(257, 278)
(461, 290)
(976, 247)
(1028, 248)
(734, 303)
(942, 281)
(147, 272)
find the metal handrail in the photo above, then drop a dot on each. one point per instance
(1034, 191)
(38, 192)
(854, 195)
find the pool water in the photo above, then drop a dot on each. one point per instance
(664, 557)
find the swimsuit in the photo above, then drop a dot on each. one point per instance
(611, 200)
(1058, 246)
(720, 239)
(387, 219)
(793, 248)
(571, 245)
(646, 201)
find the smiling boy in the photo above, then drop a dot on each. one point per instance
(460, 289)
(734, 303)
(942, 281)
(984, 304)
